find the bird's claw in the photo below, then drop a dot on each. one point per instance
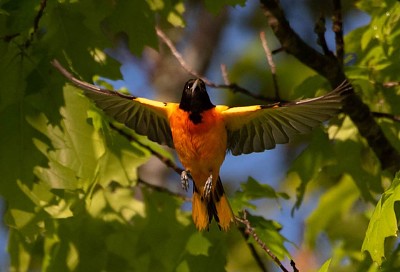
(208, 187)
(185, 176)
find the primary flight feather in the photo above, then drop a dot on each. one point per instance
(202, 133)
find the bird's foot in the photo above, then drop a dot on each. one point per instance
(185, 176)
(208, 187)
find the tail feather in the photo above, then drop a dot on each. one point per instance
(217, 207)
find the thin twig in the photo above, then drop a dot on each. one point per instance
(320, 30)
(36, 21)
(9, 37)
(392, 117)
(271, 63)
(278, 50)
(27, 43)
(163, 190)
(337, 28)
(233, 87)
(179, 57)
(252, 249)
(391, 84)
(293, 265)
(169, 163)
(251, 231)
(224, 73)
(153, 152)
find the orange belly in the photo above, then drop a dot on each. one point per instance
(201, 147)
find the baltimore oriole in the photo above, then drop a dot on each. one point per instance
(202, 133)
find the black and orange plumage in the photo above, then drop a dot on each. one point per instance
(202, 133)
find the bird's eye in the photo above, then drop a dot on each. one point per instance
(188, 87)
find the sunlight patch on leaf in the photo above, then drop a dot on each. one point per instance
(383, 223)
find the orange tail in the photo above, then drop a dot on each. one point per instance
(216, 206)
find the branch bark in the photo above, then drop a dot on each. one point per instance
(248, 230)
(330, 67)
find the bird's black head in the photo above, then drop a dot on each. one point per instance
(195, 99)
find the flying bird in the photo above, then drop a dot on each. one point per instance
(202, 133)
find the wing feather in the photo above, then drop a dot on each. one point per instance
(257, 128)
(146, 117)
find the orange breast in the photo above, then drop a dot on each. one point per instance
(201, 147)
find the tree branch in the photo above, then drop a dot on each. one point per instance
(391, 84)
(249, 230)
(337, 28)
(162, 189)
(232, 86)
(252, 248)
(271, 63)
(169, 163)
(320, 30)
(330, 67)
(392, 117)
(36, 21)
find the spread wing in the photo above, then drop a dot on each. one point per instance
(146, 117)
(257, 128)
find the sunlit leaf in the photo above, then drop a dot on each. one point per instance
(383, 223)
(333, 206)
(252, 190)
(325, 266)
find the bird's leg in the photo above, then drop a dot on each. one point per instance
(208, 187)
(185, 176)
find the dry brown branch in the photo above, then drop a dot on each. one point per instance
(178, 56)
(391, 84)
(233, 86)
(224, 74)
(271, 63)
(249, 230)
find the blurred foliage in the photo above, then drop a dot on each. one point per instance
(69, 179)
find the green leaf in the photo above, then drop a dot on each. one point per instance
(67, 22)
(350, 150)
(383, 223)
(136, 21)
(308, 165)
(198, 244)
(309, 87)
(252, 190)
(325, 266)
(19, 251)
(333, 206)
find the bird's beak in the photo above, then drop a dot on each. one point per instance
(194, 86)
